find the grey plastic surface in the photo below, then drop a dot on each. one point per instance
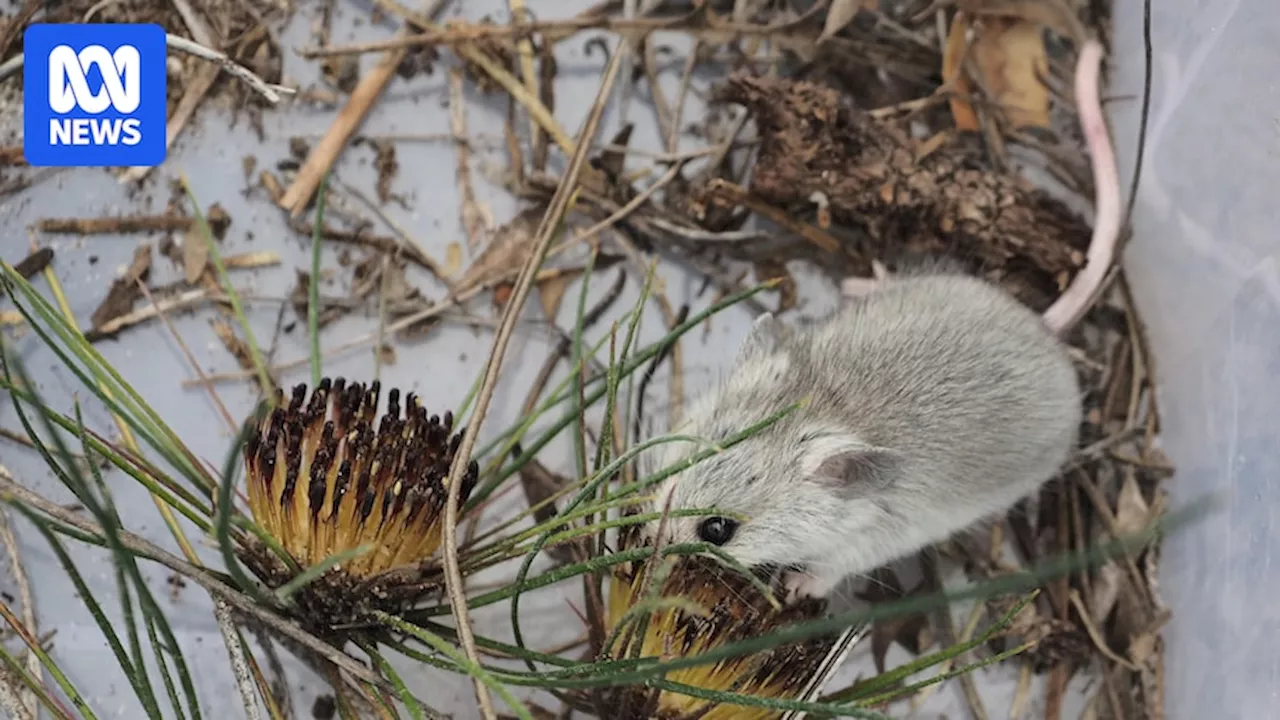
(1204, 268)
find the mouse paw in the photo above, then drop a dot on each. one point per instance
(800, 585)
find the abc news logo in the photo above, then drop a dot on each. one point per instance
(94, 95)
(69, 89)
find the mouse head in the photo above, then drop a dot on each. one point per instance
(784, 493)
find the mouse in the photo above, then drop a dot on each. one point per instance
(929, 402)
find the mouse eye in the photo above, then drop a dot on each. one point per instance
(717, 530)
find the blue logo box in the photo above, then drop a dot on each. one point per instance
(94, 95)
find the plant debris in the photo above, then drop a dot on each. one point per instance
(125, 290)
(238, 348)
(119, 225)
(35, 263)
(814, 144)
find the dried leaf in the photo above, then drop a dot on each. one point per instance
(387, 166)
(395, 284)
(1053, 14)
(507, 252)
(452, 259)
(11, 318)
(952, 73)
(234, 345)
(1009, 55)
(195, 256)
(911, 631)
(1132, 512)
(841, 13)
(124, 290)
(766, 270)
(1104, 591)
(1143, 648)
(473, 218)
(540, 485)
(34, 263)
(218, 220)
(551, 295)
(611, 162)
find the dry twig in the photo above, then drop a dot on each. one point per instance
(560, 203)
(29, 701)
(12, 491)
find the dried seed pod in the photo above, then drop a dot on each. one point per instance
(327, 475)
(732, 609)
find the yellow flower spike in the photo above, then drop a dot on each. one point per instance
(733, 609)
(324, 479)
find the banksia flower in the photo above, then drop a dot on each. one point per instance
(323, 479)
(733, 609)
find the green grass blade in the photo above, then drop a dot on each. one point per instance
(107, 384)
(42, 693)
(475, 670)
(943, 677)
(140, 688)
(874, 685)
(33, 644)
(237, 307)
(222, 519)
(411, 703)
(576, 368)
(631, 366)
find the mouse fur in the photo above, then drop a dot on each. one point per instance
(931, 403)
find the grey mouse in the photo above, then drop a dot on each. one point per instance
(934, 400)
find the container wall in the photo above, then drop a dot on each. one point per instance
(1204, 268)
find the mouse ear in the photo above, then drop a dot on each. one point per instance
(763, 337)
(851, 468)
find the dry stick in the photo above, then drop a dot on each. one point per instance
(186, 351)
(239, 665)
(444, 306)
(527, 71)
(199, 85)
(407, 247)
(470, 214)
(12, 490)
(115, 224)
(1098, 641)
(187, 299)
(461, 35)
(28, 607)
(1067, 310)
(177, 42)
(9, 696)
(325, 153)
(524, 283)
(677, 115)
(565, 343)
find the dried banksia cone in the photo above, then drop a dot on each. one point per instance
(733, 609)
(325, 478)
